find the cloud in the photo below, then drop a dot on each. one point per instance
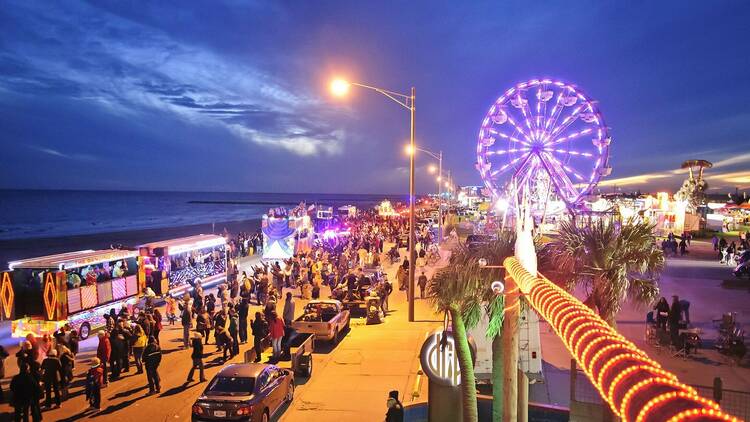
(131, 69)
(59, 154)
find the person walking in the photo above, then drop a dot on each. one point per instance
(103, 352)
(288, 313)
(26, 393)
(95, 379)
(152, 359)
(276, 327)
(52, 374)
(197, 357)
(233, 332)
(395, 411)
(243, 308)
(260, 330)
(203, 323)
(139, 344)
(422, 281)
(187, 323)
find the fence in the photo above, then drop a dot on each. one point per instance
(732, 401)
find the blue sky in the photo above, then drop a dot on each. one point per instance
(232, 95)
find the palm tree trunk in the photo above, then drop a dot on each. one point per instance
(497, 378)
(468, 382)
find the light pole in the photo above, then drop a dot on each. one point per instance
(438, 156)
(340, 87)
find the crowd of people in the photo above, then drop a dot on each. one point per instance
(130, 340)
(730, 253)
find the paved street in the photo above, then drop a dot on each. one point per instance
(349, 380)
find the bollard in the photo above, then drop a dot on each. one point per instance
(718, 384)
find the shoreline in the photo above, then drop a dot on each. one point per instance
(12, 250)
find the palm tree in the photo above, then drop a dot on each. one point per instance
(453, 291)
(463, 288)
(612, 261)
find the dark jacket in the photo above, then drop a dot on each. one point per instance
(395, 413)
(25, 389)
(152, 355)
(52, 369)
(197, 348)
(259, 328)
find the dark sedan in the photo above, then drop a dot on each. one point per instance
(245, 392)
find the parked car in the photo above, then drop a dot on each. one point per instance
(245, 392)
(327, 319)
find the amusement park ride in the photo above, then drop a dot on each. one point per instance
(543, 143)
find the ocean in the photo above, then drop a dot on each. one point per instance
(29, 214)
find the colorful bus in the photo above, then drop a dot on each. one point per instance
(173, 266)
(76, 288)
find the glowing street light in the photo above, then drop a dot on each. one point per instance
(409, 150)
(432, 169)
(340, 87)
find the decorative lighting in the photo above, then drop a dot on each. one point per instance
(621, 372)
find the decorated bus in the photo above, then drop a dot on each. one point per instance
(76, 288)
(173, 266)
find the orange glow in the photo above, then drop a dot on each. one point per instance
(340, 87)
(50, 296)
(620, 371)
(7, 295)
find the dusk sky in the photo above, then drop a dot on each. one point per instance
(232, 95)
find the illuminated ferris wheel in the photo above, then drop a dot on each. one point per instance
(544, 139)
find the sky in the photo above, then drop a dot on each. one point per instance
(233, 95)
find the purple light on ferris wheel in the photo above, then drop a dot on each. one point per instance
(535, 134)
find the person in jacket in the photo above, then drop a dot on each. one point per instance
(139, 344)
(197, 357)
(260, 330)
(203, 323)
(186, 319)
(118, 349)
(103, 353)
(26, 392)
(288, 313)
(3, 355)
(276, 328)
(67, 360)
(152, 359)
(395, 411)
(95, 379)
(243, 308)
(662, 313)
(234, 331)
(52, 375)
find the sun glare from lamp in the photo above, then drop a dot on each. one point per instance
(340, 87)
(497, 287)
(501, 204)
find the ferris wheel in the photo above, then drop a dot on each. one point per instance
(543, 138)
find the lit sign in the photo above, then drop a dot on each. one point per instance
(440, 359)
(6, 295)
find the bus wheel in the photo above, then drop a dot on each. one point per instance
(85, 330)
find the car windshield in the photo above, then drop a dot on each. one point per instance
(231, 386)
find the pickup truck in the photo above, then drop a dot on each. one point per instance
(327, 319)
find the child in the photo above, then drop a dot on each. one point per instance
(171, 310)
(94, 380)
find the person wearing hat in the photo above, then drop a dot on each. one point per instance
(52, 375)
(197, 357)
(94, 381)
(395, 411)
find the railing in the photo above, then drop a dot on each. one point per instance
(733, 401)
(635, 386)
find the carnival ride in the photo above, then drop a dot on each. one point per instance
(543, 142)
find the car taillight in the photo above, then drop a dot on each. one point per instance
(197, 410)
(244, 410)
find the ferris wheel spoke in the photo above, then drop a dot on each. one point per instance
(567, 121)
(558, 176)
(556, 112)
(569, 137)
(509, 137)
(519, 129)
(507, 166)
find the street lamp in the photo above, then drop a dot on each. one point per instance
(439, 157)
(340, 87)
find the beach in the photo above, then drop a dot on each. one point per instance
(11, 250)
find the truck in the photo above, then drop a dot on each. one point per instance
(326, 319)
(296, 353)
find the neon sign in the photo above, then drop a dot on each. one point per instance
(440, 359)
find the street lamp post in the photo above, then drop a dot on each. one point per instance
(439, 157)
(340, 87)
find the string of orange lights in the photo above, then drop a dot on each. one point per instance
(635, 386)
